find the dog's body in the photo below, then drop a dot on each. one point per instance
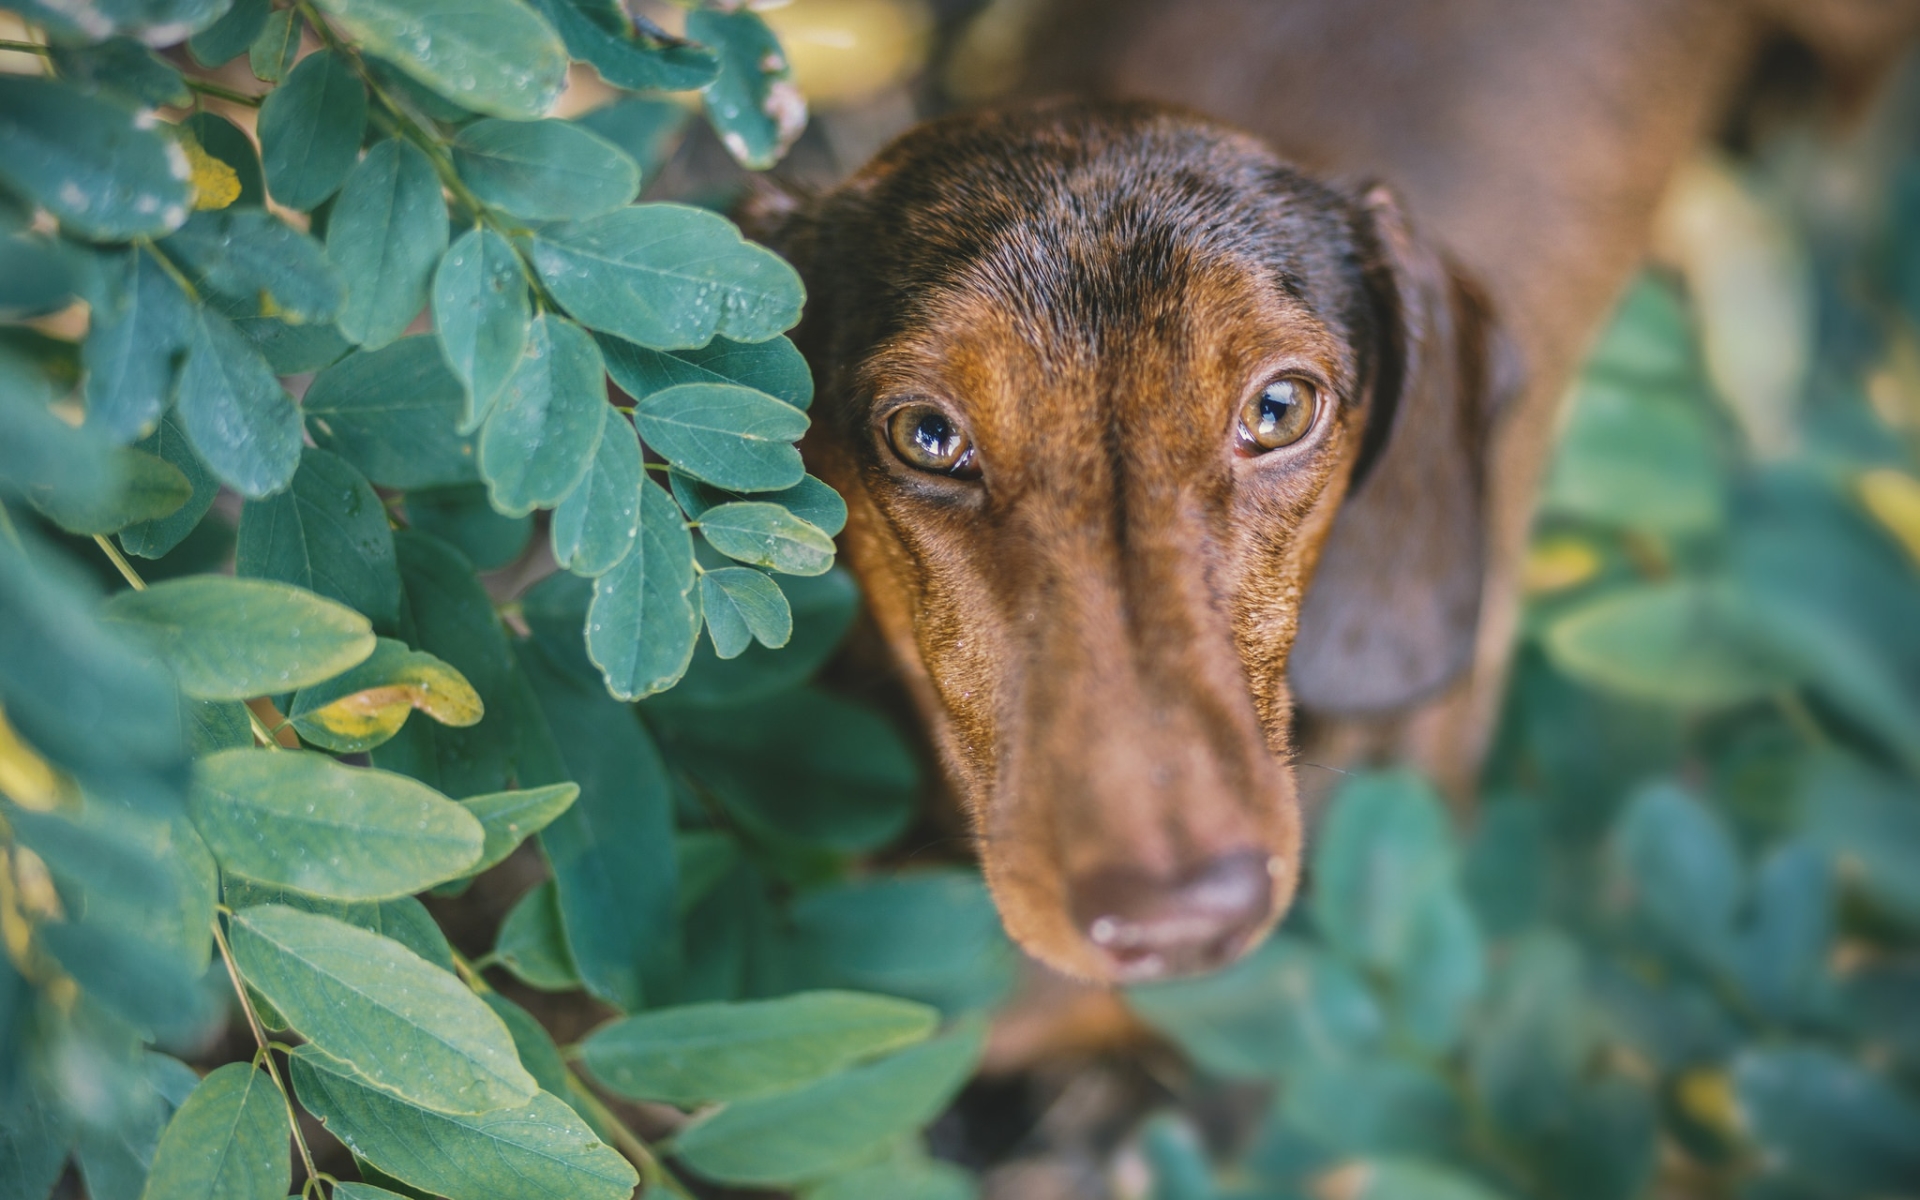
(1058, 347)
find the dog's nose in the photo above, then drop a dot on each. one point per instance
(1150, 927)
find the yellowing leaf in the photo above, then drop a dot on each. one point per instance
(215, 184)
(1893, 497)
(25, 777)
(367, 705)
(1707, 1096)
(1558, 563)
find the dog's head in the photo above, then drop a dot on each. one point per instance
(1095, 382)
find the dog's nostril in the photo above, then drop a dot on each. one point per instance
(1148, 926)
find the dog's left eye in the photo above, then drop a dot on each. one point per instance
(928, 440)
(1280, 414)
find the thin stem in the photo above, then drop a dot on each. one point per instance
(172, 269)
(119, 561)
(24, 47)
(653, 1172)
(266, 1054)
(223, 93)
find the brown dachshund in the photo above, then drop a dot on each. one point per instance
(1109, 386)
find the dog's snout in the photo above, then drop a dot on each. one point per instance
(1150, 927)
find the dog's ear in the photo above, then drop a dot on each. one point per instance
(1391, 614)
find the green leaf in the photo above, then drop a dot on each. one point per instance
(775, 367)
(823, 608)
(539, 1151)
(539, 440)
(667, 276)
(482, 313)
(404, 920)
(804, 765)
(612, 852)
(86, 853)
(114, 1155)
(708, 1052)
(643, 622)
(387, 232)
(100, 167)
(243, 424)
(1684, 643)
(1383, 856)
(1376, 1107)
(151, 539)
(604, 36)
(158, 21)
(310, 128)
(1536, 1033)
(931, 936)
(149, 489)
(753, 105)
(227, 1142)
(328, 534)
(393, 414)
(1231, 1025)
(1442, 973)
(1678, 866)
(227, 37)
(1780, 954)
(37, 276)
(1638, 456)
(741, 605)
(248, 254)
(275, 50)
(810, 500)
(225, 141)
(135, 345)
(544, 170)
(533, 944)
(726, 435)
(405, 1026)
(122, 67)
(824, 1127)
(644, 127)
(1418, 1181)
(769, 536)
(39, 450)
(144, 985)
(174, 919)
(598, 523)
(491, 56)
(231, 639)
(1826, 1121)
(509, 818)
(463, 518)
(300, 820)
(1867, 821)
(366, 706)
(903, 1177)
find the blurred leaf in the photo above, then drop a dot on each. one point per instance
(820, 1128)
(916, 1178)
(1504, 875)
(1375, 1108)
(310, 129)
(86, 851)
(152, 19)
(367, 705)
(1893, 497)
(1535, 1032)
(539, 440)
(753, 104)
(603, 35)
(303, 821)
(328, 534)
(490, 56)
(230, 639)
(229, 36)
(37, 276)
(144, 985)
(392, 413)
(1230, 1024)
(533, 945)
(775, 367)
(135, 344)
(810, 500)
(742, 605)
(1442, 973)
(39, 450)
(387, 232)
(176, 919)
(227, 1142)
(124, 68)
(644, 127)
(98, 166)
(1382, 856)
(509, 818)
(114, 1157)
(482, 313)
(728, 1052)
(1417, 1181)
(538, 1149)
(274, 51)
(804, 765)
(1826, 1121)
(1638, 457)
(1879, 1000)
(666, 276)
(767, 535)
(726, 435)
(612, 851)
(1685, 643)
(406, 1027)
(1780, 954)
(149, 489)
(544, 170)
(1178, 1162)
(596, 526)
(462, 518)
(1681, 871)
(248, 254)
(643, 622)
(1870, 824)
(930, 935)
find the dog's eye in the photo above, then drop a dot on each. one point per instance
(928, 440)
(1280, 414)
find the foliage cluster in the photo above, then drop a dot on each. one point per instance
(223, 793)
(1678, 950)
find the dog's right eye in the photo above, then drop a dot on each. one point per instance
(926, 439)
